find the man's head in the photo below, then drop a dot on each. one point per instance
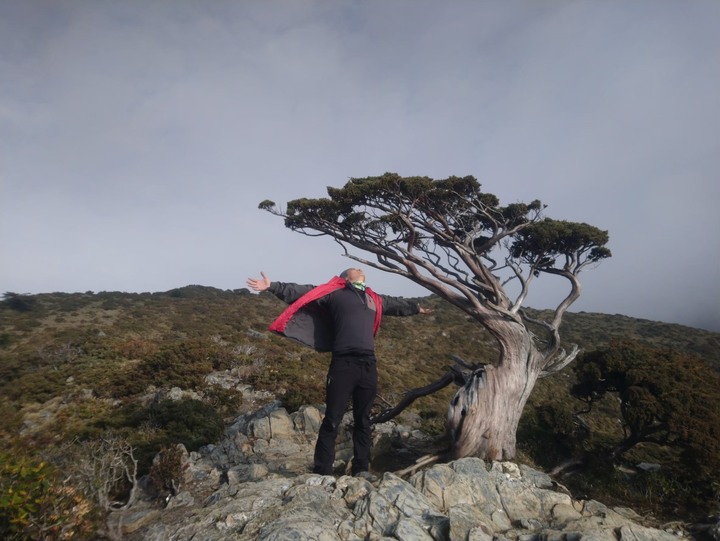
(353, 275)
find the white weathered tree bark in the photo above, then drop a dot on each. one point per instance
(483, 416)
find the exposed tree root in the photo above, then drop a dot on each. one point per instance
(420, 463)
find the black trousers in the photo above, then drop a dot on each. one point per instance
(348, 377)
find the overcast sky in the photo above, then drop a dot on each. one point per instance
(137, 138)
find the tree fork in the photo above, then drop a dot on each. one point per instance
(471, 378)
(454, 375)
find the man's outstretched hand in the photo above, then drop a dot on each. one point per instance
(423, 310)
(259, 284)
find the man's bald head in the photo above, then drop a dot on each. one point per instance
(353, 275)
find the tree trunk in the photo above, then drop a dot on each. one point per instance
(483, 416)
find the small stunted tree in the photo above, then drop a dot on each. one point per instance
(19, 303)
(459, 242)
(107, 469)
(667, 398)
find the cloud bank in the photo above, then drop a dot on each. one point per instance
(136, 140)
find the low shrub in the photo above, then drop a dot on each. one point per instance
(185, 363)
(190, 422)
(224, 401)
(299, 396)
(36, 504)
(168, 470)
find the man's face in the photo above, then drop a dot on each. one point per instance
(355, 275)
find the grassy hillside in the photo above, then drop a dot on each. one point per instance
(73, 366)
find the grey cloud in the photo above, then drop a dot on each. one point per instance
(140, 139)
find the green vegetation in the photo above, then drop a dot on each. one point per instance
(168, 470)
(35, 503)
(634, 403)
(75, 366)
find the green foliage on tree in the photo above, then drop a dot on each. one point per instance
(666, 398)
(668, 406)
(17, 302)
(550, 433)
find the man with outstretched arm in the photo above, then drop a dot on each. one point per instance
(341, 316)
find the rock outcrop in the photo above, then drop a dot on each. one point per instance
(255, 485)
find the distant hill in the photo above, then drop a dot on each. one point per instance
(584, 328)
(593, 330)
(413, 350)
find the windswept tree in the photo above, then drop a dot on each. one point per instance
(459, 242)
(667, 398)
(19, 303)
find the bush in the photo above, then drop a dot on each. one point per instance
(36, 504)
(19, 303)
(135, 348)
(225, 401)
(38, 386)
(168, 470)
(184, 364)
(299, 396)
(190, 422)
(11, 417)
(550, 434)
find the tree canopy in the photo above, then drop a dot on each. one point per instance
(666, 398)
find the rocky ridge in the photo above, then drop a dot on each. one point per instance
(254, 485)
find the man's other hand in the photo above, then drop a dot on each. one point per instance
(259, 284)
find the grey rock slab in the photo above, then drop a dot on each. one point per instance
(635, 532)
(522, 501)
(307, 420)
(465, 481)
(262, 491)
(464, 518)
(563, 513)
(281, 425)
(408, 529)
(134, 520)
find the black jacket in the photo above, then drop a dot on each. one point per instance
(341, 321)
